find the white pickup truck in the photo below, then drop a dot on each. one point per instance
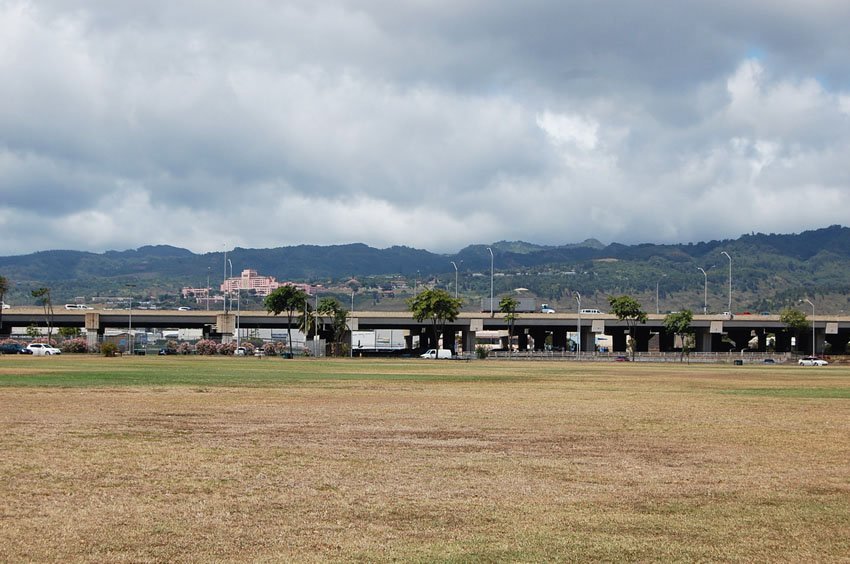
(436, 353)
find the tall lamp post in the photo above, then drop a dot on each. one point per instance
(657, 282)
(704, 291)
(491, 280)
(455, 265)
(814, 350)
(229, 295)
(225, 279)
(730, 280)
(130, 320)
(578, 325)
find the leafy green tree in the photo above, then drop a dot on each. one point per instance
(679, 323)
(508, 305)
(286, 299)
(330, 307)
(69, 332)
(42, 296)
(795, 321)
(4, 287)
(438, 306)
(628, 309)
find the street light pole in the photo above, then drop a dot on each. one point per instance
(814, 350)
(130, 321)
(227, 284)
(455, 265)
(730, 280)
(578, 325)
(491, 280)
(705, 291)
(225, 280)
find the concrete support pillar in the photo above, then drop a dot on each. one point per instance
(587, 339)
(92, 338)
(468, 339)
(94, 333)
(226, 325)
(702, 340)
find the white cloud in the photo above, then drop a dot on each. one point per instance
(432, 124)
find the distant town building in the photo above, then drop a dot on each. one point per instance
(261, 285)
(198, 293)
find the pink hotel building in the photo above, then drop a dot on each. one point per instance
(263, 285)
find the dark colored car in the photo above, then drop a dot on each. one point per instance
(163, 352)
(14, 348)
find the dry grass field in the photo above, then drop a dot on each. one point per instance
(200, 459)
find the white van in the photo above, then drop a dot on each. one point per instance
(77, 306)
(436, 353)
(590, 311)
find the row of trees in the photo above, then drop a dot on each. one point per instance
(438, 306)
(295, 304)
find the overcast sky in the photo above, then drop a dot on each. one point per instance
(429, 123)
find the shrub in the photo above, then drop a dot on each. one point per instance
(206, 347)
(109, 349)
(76, 345)
(226, 348)
(481, 352)
(184, 348)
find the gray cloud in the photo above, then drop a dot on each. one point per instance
(433, 124)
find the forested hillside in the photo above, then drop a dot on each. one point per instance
(769, 270)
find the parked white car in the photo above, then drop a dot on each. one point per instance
(812, 361)
(42, 349)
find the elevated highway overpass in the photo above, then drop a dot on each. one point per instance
(709, 330)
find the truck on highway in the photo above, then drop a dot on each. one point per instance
(524, 305)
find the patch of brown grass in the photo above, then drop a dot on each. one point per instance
(567, 462)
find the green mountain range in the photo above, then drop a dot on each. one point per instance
(769, 271)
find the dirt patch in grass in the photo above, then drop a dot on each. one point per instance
(449, 462)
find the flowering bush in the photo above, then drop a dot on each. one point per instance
(52, 342)
(206, 347)
(276, 347)
(11, 342)
(184, 348)
(77, 345)
(227, 348)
